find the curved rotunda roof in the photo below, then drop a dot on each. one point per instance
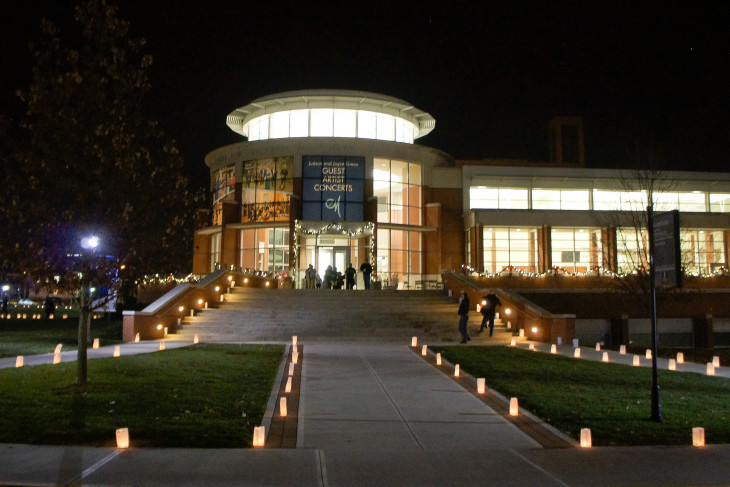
(330, 99)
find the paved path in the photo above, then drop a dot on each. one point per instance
(376, 414)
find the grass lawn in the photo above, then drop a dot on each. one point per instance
(31, 337)
(200, 396)
(613, 400)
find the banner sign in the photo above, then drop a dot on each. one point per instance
(333, 188)
(667, 254)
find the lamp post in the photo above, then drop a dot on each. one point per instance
(89, 244)
(656, 403)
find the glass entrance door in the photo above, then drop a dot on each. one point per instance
(334, 256)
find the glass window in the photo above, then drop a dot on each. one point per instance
(632, 250)
(321, 123)
(385, 126)
(606, 200)
(266, 189)
(366, 125)
(720, 202)
(513, 198)
(692, 202)
(574, 199)
(215, 251)
(509, 249)
(265, 249)
(279, 125)
(482, 197)
(398, 202)
(345, 123)
(299, 123)
(399, 172)
(702, 251)
(666, 201)
(546, 199)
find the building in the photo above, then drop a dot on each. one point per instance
(331, 177)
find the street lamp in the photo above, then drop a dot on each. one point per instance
(90, 242)
(85, 305)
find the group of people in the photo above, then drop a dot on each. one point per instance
(488, 310)
(334, 279)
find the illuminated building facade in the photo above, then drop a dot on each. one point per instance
(329, 177)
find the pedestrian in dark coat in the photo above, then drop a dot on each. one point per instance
(350, 276)
(489, 309)
(463, 316)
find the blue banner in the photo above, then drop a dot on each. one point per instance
(333, 188)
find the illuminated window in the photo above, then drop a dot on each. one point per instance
(280, 125)
(366, 125)
(215, 251)
(702, 251)
(576, 250)
(265, 249)
(692, 202)
(345, 123)
(397, 187)
(606, 200)
(632, 250)
(385, 127)
(719, 202)
(509, 249)
(321, 123)
(502, 198)
(266, 189)
(399, 258)
(299, 123)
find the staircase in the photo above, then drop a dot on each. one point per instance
(266, 315)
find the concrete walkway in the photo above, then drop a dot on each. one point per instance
(376, 414)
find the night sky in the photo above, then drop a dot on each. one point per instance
(491, 76)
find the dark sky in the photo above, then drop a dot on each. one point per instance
(492, 76)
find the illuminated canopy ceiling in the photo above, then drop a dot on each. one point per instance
(330, 113)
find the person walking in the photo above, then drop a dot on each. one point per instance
(366, 270)
(350, 273)
(310, 276)
(489, 310)
(463, 316)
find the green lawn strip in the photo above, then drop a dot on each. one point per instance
(201, 396)
(613, 400)
(31, 337)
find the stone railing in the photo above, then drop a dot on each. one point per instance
(538, 323)
(166, 313)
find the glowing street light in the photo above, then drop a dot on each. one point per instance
(90, 242)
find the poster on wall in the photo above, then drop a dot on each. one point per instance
(224, 182)
(333, 188)
(266, 189)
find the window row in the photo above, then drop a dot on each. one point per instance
(481, 197)
(580, 250)
(325, 122)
